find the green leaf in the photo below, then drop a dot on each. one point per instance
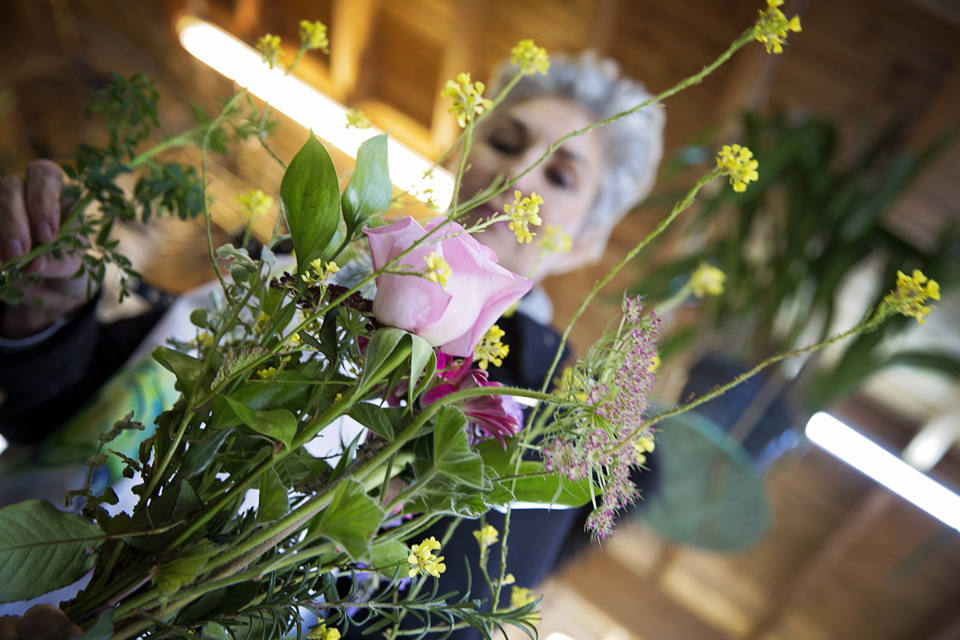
(351, 520)
(387, 555)
(310, 195)
(382, 421)
(279, 424)
(278, 392)
(369, 191)
(182, 572)
(42, 549)
(552, 488)
(274, 502)
(422, 356)
(186, 368)
(498, 457)
(381, 347)
(201, 453)
(452, 455)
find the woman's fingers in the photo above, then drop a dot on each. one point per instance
(44, 181)
(46, 622)
(14, 223)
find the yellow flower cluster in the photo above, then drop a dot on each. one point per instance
(254, 203)
(707, 280)
(641, 447)
(520, 597)
(486, 536)
(357, 119)
(321, 632)
(313, 35)
(524, 212)
(490, 349)
(422, 560)
(554, 240)
(772, 26)
(911, 295)
(530, 58)
(738, 163)
(437, 269)
(269, 48)
(269, 372)
(321, 273)
(655, 363)
(467, 97)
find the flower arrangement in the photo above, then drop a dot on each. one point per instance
(286, 354)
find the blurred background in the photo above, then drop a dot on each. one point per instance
(757, 533)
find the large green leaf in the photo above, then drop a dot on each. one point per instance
(452, 455)
(551, 488)
(382, 421)
(351, 520)
(42, 549)
(369, 191)
(388, 555)
(201, 453)
(279, 424)
(310, 195)
(279, 392)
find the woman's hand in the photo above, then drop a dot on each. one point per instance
(40, 622)
(30, 213)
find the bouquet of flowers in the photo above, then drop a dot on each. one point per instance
(285, 354)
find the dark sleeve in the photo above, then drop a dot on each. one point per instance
(46, 383)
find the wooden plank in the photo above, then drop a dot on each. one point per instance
(637, 604)
(461, 54)
(246, 17)
(604, 24)
(350, 32)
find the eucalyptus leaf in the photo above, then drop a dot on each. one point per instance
(351, 520)
(382, 345)
(42, 549)
(310, 194)
(369, 191)
(279, 424)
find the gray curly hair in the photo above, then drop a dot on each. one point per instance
(633, 144)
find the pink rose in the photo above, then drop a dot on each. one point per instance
(453, 317)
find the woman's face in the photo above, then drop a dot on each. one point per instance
(510, 142)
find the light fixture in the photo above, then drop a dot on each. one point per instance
(308, 106)
(873, 460)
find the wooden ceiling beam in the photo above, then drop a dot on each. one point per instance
(246, 17)
(462, 53)
(350, 34)
(604, 25)
(752, 78)
(941, 115)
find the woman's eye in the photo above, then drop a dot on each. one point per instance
(558, 178)
(502, 145)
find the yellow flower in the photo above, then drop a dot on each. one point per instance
(554, 240)
(254, 203)
(262, 322)
(490, 349)
(269, 48)
(313, 35)
(772, 26)
(707, 280)
(509, 579)
(530, 58)
(568, 384)
(655, 363)
(437, 269)
(738, 163)
(422, 560)
(911, 295)
(524, 212)
(204, 339)
(320, 632)
(520, 596)
(467, 97)
(269, 372)
(321, 272)
(486, 537)
(295, 340)
(357, 119)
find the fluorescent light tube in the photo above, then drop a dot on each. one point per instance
(873, 460)
(308, 106)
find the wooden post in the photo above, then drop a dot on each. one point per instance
(350, 31)
(462, 53)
